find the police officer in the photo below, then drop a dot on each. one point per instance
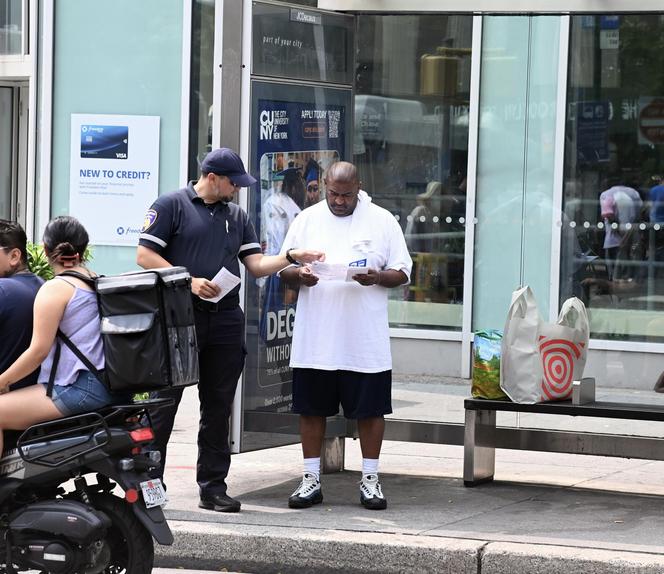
(200, 228)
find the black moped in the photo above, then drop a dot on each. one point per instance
(76, 497)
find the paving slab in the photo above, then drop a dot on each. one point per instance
(506, 558)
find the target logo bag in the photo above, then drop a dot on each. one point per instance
(540, 360)
(563, 349)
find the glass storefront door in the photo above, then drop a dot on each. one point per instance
(11, 26)
(13, 152)
(6, 149)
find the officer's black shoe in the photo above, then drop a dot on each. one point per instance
(219, 503)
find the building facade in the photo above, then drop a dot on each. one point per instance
(516, 143)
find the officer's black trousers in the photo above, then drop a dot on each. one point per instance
(221, 357)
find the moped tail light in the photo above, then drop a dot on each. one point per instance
(131, 495)
(142, 435)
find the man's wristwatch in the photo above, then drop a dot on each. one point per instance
(289, 258)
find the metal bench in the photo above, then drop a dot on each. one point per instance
(482, 437)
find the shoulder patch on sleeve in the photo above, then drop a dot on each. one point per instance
(149, 220)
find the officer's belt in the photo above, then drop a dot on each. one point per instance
(221, 305)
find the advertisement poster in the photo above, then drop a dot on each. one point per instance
(297, 139)
(114, 174)
(592, 132)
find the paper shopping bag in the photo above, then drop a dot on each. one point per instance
(486, 365)
(520, 364)
(563, 349)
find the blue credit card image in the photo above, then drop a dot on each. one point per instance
(104, 142)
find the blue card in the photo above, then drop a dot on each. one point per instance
(104, 142)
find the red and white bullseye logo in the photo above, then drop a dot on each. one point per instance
(558, 359)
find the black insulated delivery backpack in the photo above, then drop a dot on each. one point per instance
(147, 327)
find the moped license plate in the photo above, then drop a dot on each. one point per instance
(153, 493)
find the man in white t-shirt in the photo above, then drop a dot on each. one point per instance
(341, 342)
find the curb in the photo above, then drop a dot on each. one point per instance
(282, 550)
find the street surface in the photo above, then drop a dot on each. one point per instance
(545, 512)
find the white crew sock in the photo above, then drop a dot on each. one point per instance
(312, 466)
(369, 466)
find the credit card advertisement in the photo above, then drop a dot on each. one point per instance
(114, 174)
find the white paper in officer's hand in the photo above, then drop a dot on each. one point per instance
(226, 282)
(328, 271)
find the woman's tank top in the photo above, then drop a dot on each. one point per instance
(81, 323)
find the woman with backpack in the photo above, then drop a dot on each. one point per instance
(68, 304)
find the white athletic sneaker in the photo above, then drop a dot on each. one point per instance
(307, 494)
(371, 494)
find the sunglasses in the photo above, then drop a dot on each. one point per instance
(229, 180)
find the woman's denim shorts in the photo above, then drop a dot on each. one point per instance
(86, 393)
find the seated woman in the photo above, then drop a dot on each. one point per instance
(68, 304)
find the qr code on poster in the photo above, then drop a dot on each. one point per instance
(333, 116)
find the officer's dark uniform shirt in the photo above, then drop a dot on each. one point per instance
(185, 231)
(17, 297)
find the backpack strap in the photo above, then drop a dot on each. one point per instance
(81, 357)
(54, 368)
(89, 281)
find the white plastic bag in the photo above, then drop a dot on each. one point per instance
(520, 365)
(539, 360)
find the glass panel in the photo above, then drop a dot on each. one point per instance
(202, 74)
(6, 150)
(411, 147)
(614, 169)
(515, 164)
(11, 23)
(500, 168)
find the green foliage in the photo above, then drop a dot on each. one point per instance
(38, 262)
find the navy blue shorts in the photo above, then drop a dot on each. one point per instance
(361, 395)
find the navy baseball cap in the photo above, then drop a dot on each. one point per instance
(224, 161)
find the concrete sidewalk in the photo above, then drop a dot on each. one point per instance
(544, 513)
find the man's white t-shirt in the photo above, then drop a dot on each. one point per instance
(342, 324)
